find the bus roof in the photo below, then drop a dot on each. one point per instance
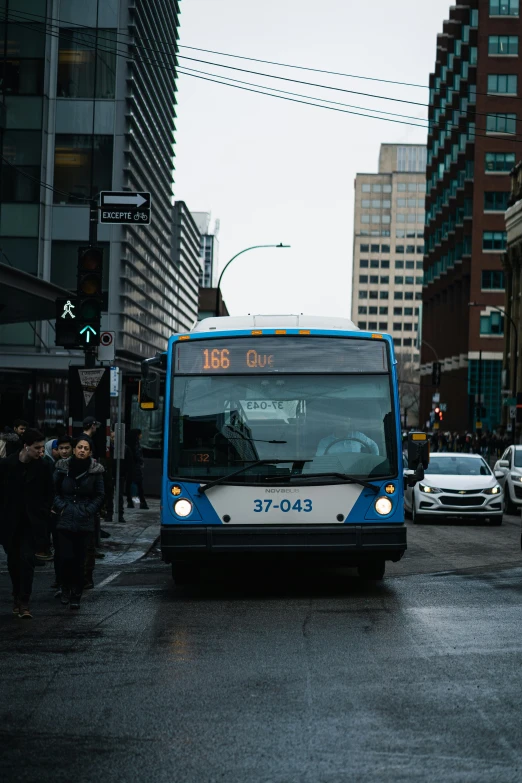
(245, 322)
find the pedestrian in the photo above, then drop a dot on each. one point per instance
(64, 451)
(135, 471)
(26, 494)
(90, 426)
(51, 453)
(13, 438)
(79, 496)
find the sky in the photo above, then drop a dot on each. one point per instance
(274, 171)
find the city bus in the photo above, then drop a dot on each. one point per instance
(282, 435)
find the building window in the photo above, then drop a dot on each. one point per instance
(399, 248)
(410, 248)
(408, 295)
(397, 310)
(385, 279)
(376, 188)
(374, 279)
(366, 188)
(82, 167)
(408, 327)
(365, 218)
(408, 311)
(501, 123)
(386, 188)
(492, 323)
(372, 324)
(419, 280)
(492, 280)
(399, 280)
(397, 295)
(499, 161)
(397, 326)
(419, 265)
(22, 153)
(504, 83)
(383, 326)
(408, 280)
(418, 296)
(385, 219)
(401, 187)
(400, 217)
(494, 240)
(397, 341)
(363, 310)
(383, 311)
(400, 233)
(20, 76)
(503, 44)
(383, 295)
(361, 324)
(363, 294)
(374, 248)
(363, 263)
(385, 248)
(407, 342)
(365, 203)
(399, 265)
(86, 56)
(374, 263)
(503, 7)
(385, 264)
(495, 200)
(363, 279)
(410, 264)
(372, 310)
(373, 295)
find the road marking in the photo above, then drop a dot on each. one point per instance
(109, 579)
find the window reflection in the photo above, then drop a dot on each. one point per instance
(86, 63)
(82, 167)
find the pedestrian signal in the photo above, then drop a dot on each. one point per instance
(89, 295)
(66, 329)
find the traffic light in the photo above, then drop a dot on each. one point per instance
(438, 414)
(435, 374)
(66, 330)
(89, 295)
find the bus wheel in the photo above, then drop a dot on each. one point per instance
(374, 570)
(184, 573)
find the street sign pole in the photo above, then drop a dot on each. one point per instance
(119, 447)
(90, 353)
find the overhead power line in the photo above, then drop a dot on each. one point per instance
(262, 89)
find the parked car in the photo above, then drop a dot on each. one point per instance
(509, 471)
(456, 485)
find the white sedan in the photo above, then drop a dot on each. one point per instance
(509, 471)
(456, 485)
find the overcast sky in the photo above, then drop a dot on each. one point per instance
(274, 171)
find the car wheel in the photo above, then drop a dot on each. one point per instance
(373, 570)
(510, 506)
(497, 520)
(416, 518)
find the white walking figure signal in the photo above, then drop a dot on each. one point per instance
(68, 309)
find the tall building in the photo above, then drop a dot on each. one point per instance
(188, 264)
(88, 107)
(388, 246)
(472, 145)
(209, 247)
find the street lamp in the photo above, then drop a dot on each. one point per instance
(515, 358)
(254, 247)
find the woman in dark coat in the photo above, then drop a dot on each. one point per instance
(134, 470)
(79, 497)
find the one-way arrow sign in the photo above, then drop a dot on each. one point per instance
(125, 208)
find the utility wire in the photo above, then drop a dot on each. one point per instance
(43, 184)
(175, 53)
(430, 123)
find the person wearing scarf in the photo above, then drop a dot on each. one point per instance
(79, 497)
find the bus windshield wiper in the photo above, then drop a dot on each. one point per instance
(343, 476)
(203, 487)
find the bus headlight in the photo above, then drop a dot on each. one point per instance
(383, 505)
(183, 508)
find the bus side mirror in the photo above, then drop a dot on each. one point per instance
(418, 456)
(149, 391)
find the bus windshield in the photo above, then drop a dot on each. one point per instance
(340, 423)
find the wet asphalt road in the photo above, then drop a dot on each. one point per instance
(275, 676)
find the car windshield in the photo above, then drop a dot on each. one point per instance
(518, 458)
(340, 423)
(458, 466)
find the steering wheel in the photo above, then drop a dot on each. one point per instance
(365, 446)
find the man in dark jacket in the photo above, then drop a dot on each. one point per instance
(26, 495)
(13, 438)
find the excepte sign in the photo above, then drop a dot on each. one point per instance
(125, 208)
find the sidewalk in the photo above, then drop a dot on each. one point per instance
(129, 541)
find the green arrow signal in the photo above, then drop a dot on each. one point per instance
(86, 329)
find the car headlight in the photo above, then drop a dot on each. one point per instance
(429, 490)
(516, 478)
(183, 507)
(383, 505)
(493, 490)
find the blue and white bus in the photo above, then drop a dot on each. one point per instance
(282, 435)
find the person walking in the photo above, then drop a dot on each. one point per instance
(26, 495)
(79, 497)
(134, 472)
(63, 450)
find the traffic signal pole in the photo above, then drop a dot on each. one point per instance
(90, 353)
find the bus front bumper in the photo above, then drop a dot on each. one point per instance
(194, 542)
